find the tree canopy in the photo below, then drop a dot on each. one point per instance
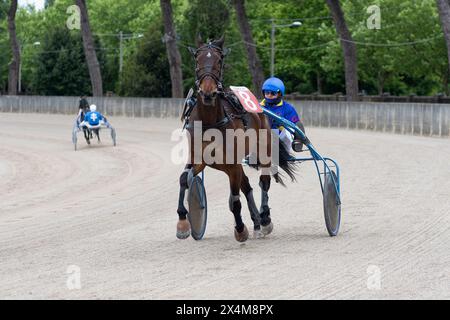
(405, 55)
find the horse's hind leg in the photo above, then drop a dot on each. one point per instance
(265, 158)
(266, 222)
(254, 213)
(235, 176)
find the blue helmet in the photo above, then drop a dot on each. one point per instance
(274, 84)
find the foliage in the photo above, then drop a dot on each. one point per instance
(5, 52)
(146, 72)
(407, 55)
(60, 65)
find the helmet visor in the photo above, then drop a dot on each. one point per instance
(271, 92)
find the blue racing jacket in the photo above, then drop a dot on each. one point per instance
(282, 109)
(93, 118)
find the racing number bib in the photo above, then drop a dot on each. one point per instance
(247, 99)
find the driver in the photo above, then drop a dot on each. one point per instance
(92, 122)
(94, 118)
(273, 90)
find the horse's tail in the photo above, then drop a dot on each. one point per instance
(288, 166)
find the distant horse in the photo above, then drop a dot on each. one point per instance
(216, 110)
(80, 118)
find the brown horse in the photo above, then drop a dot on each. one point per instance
(216, 111)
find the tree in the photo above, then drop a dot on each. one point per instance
(399, 56)
(4, 43)
(208, 18)
(211, 19)
(173, 54)
(299, 51)
(147, 72)
(89, 51)
(444, 14)
(48, 3)
(15, 62)
(61, 65)
(348, 48)
(254, 64)
(109, 18)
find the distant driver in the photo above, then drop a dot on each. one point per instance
(94, 118)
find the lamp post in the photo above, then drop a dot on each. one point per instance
(37, 43)
(294, 24)
(121, 38)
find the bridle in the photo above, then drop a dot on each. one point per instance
(210, 69)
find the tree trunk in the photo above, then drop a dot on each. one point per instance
(89, 51)
(348, 48)
(14, 66)
(444, 14)
(173, 54)
(254, 64)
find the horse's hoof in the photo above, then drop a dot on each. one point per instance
(183, 229)
(265, 230)
(241, 236)
(257, 234)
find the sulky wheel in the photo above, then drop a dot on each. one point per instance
(74, 139)
(331, 203)
(113, 136)
(197, 214)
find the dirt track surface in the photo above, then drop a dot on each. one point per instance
(111, 212)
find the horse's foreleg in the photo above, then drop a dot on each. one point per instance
(254, 213)
(182, 211)
(183, 227)
(235, 176)
(266, 223)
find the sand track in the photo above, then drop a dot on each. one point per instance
(112, 212)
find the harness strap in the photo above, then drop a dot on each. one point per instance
(220, 124)
(241, 113)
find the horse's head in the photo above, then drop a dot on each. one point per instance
(208, 70)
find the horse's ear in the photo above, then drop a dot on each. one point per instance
(199, 41)
(220, 42)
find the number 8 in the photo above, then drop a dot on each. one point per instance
(247, 100)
